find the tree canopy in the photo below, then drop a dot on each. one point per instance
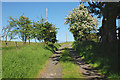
(81, 22)
(25, 29)
(110, 11)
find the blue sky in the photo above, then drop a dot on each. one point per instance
(57, 11)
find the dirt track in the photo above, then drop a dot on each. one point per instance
(53, 68)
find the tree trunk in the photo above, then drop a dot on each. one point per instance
(110, 30)
(6, 43)
(35, 40)
(25, 40)
(39, 41)
(29, 40)
(119, 34)
(110, 36)
(109, 26)
(45, 41)
(104, 31)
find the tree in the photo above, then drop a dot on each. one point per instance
(38, 29)
(109, 11)
(26, 30)
(49, 33)
(22, 27)
(7, 31)
(44, 31)
(53, 33)
(34, 31)
(81, 22)
(30, 30)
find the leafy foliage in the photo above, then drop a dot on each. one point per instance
(81, 22)
(101, 8)
(45, 31)
(110, 11)
(6, 33)
(22, 27)
(25, 29)
(101, 57)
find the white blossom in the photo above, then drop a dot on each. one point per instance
(80, 20)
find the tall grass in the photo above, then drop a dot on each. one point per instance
(101, 57)
(25, 62)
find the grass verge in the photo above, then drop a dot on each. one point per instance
(25, 62)
(67, 43)
(70, 70)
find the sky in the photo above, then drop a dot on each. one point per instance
(57, 11)
(56, 0)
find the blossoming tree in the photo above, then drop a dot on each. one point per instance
(81, 22)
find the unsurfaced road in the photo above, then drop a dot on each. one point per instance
(53, 68)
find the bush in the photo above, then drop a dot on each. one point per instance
(101, 57)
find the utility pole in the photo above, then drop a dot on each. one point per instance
(46, 14)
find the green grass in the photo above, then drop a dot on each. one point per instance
(104, 58)
(12, 43)
(67, 43)
(26, 61)
(12, 46)
(70, 70)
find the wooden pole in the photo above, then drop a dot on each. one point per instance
(46, 14)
